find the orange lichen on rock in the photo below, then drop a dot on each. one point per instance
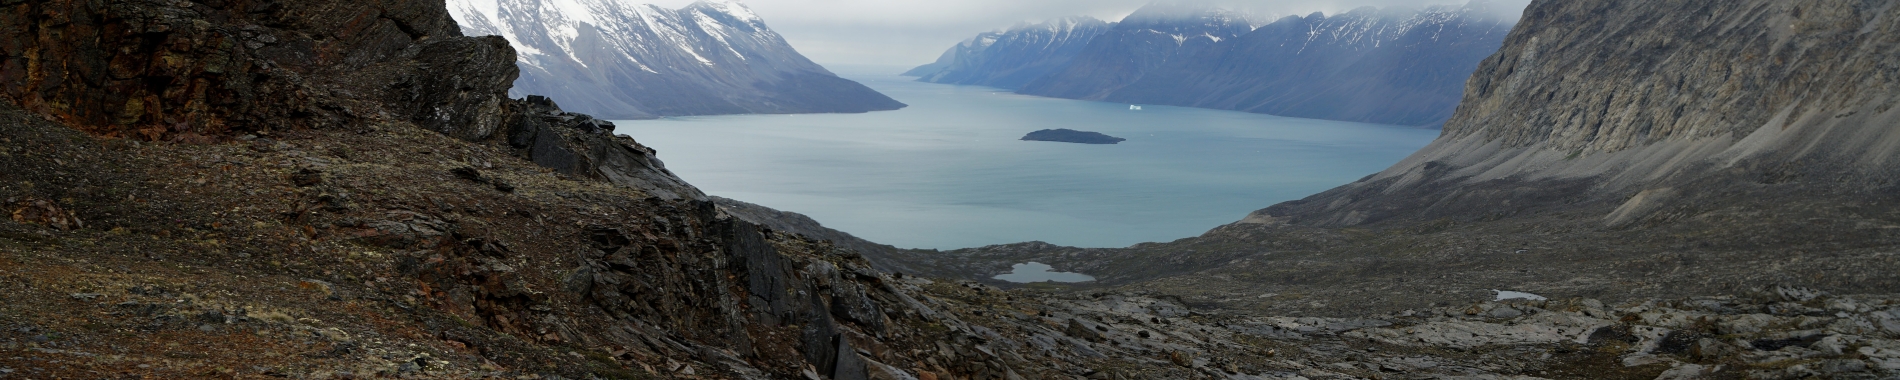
(43, 212)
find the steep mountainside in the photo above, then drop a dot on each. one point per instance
(1012, 58)
(1144, 41)
(622, 60)
(1391, 66)
(324, 189)
(336, 188)
(1649, 118)
(1612, 149)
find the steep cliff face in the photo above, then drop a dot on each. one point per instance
(1013, 58)
(1656, 111)
(621, 60)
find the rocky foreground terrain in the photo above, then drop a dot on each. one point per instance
(339, 189)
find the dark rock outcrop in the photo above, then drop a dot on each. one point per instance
(577, 144)
(670, 278)
(622, 60)
(193, 71)
(883, 257)
(1072, 136)
(1012, 58)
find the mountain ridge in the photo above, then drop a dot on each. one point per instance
(1389, 66)
(623, 61)
(1397, 65)
(1642, 134)
(1145, 40)
(342, 189)
(1013, 57)
(1607, 149)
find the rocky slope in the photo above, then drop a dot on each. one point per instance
(1391, 66)
(621, 60)
(385, 231)
(1012, 58)
(329, 222)
(1613, 150)
(1755, 108)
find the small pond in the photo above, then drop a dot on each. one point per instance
(1508, 295)
(1038, 272)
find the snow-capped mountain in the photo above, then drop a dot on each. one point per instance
(1014, 57)
(619, 60)
(1146, 40)
(1403, 66)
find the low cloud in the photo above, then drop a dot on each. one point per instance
(915, 32)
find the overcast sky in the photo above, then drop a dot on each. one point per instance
(915, 32)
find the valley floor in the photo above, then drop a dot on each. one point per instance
(279, 257)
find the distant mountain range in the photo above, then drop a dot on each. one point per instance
(625, 61)
(1013, 58)
(1392, 66)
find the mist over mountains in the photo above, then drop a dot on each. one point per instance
(625, 61)
(1396, 65)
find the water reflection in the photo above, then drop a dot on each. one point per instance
(1039, 272)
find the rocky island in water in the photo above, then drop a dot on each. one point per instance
(1072, 136)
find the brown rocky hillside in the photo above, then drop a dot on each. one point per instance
(334, 189)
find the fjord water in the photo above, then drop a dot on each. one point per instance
(949, 172)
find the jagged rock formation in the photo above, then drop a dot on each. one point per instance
(621, 60)
(883, 257)
(1012, 58)
(1391, 66)
(579, 145)
(161, 72)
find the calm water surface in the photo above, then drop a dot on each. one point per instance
(949, 172)
(1033, 272)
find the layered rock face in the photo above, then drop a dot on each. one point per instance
(1012, 58)
(1643, 115)
(621, 60)
(1392, 66)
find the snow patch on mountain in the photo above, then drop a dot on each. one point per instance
(613, 58)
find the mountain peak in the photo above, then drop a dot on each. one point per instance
(732, 8)
(710, 57)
